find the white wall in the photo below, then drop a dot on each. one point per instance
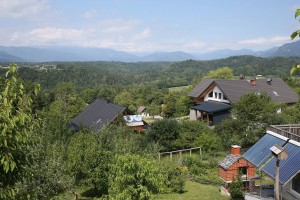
(217, 91)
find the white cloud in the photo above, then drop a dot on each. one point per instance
(21, 8)
(90, 14)
(274, 41)
(119, 25)
(50, 34)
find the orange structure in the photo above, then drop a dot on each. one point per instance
(233, 164)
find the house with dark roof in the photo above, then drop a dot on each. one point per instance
(261, 156)
(102, 112)
(213, 98)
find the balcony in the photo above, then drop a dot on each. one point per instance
(291, 131)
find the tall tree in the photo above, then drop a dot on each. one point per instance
(17, 123)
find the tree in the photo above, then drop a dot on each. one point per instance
(17, 123)
(236, 192)
(256, 108)
(251, 114)
(124, 98)
(164, 132)
(222, 73)
(134, 177)
(296, 68)
(169, 109)
(87, 162)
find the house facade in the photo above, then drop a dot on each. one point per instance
(213, 98)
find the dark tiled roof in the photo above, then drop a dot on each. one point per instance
(278, 90)
(98, 113)
(200, 88)
(234, 89)
(211, 107)
(229, 160)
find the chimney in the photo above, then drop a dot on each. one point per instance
(253, 81)
(235, 150)
(269, 81)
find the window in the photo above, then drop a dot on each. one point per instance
(220, 95)
(296, 183)
(243, 171)
(216, 95)
(210, 94)
(225, 98)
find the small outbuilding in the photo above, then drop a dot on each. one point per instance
(233, 164)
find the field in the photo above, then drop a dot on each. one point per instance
(179, 89)
(194, 191)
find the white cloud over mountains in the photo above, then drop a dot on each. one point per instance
(40, 23)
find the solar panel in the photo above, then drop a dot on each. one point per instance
(287, 168)
(260, 152)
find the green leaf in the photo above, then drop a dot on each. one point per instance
(295, 34)
(297, 13)
(295, 69)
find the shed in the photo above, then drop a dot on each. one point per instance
(233, 164)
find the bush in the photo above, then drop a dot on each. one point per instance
(236, 191)
(175, 180)
(134, 177)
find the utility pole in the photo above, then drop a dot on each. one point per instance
(277, 180)
(280, 154)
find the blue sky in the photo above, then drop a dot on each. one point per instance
(149, 25)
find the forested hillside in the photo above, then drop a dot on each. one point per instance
(163, 74)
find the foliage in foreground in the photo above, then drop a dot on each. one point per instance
(17, 123)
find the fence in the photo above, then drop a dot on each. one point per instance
(180, 152)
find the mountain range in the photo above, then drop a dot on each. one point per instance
(50, 54)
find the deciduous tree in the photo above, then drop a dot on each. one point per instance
(16, 124)
(134, 177)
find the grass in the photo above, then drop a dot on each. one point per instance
(194, 191)
(179, 89)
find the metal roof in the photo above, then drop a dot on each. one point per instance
(211, 106)
(287, 168)
(97, 114)
(260, 152)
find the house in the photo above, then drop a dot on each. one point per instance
(102, 112)
(233, 164)
(213, 98)
(142, 110)
(260, 155)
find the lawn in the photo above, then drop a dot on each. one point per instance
(194, 191)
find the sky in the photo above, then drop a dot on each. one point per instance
(138, 26)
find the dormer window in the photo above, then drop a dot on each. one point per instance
(225, 98)
(220, 95)
(210, 94)
(216, 95)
